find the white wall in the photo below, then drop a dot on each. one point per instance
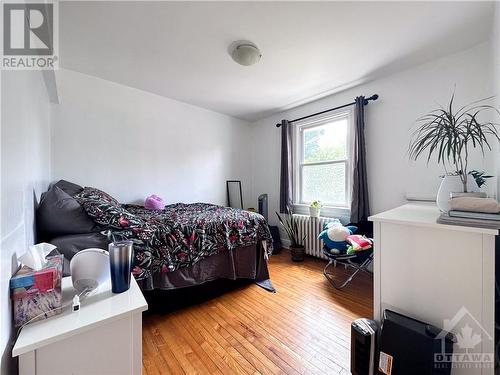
(25, 170)
(132, 143)
(404, 97)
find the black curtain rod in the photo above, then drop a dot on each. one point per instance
(373, 97)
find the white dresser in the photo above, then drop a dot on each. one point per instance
(104, 337)
(434, 272)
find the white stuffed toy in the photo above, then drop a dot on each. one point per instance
(334, 236)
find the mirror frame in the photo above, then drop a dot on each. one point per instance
(228, 197)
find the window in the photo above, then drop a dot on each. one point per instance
(322, 160)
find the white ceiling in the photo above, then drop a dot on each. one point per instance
(310, 49)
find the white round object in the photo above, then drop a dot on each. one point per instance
(453, 184)
(338, 233)
(245, 53)
(89, 269)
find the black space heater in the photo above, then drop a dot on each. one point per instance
(275, 233)
(263, 205)
(363, 346)
(409, 347)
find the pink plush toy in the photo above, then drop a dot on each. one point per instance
(154, 202)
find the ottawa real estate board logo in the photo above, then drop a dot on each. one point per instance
(473, 344)
(30, 36)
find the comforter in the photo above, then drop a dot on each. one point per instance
(178, 236)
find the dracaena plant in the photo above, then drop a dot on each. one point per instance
(449, 134)
(480, 177)
(289, 223)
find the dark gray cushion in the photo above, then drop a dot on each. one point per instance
(60, 214)
(68, 187)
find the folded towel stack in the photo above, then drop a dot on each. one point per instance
(472, 204)
(472, 211)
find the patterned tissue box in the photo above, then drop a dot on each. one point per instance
(37, 295)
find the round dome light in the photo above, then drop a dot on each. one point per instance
(245, 53)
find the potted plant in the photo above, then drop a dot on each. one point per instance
(450, 135)
(315, 209)
(480, 177)
(297, 249)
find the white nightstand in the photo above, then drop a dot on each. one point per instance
(104, 337)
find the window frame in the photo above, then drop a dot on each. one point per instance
(298, 158)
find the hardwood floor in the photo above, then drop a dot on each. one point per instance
(304, 328)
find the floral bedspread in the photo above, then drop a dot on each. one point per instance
(178, 236)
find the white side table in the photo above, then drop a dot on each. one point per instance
(104, 337)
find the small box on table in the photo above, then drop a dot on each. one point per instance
(37, 295)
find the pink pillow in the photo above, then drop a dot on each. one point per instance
(154, 202)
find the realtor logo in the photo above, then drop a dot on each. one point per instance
(29, 36)
(472, 343)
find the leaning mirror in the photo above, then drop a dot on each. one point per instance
(234, 196)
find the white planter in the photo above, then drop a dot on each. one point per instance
(453, 184)
(314, 212)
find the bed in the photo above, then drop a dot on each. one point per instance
(183, 245)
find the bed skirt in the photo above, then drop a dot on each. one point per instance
(242, 263)
(248, 262)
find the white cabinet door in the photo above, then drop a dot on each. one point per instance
(113, 348)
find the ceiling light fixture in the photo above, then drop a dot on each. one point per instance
(244, 52)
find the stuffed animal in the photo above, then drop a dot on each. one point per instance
(154, 202)
(334, 236)
(358, 243)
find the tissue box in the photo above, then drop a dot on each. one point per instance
(37, 295)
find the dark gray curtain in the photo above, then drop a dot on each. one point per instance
(360, 207)
(286, 175)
